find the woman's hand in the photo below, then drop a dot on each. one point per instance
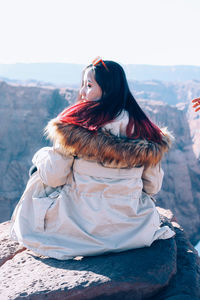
(197, 103)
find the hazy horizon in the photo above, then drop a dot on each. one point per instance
(81, 63)
(70, 74)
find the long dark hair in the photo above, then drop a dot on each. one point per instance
(116, 97)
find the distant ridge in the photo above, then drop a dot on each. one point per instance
(70, 74)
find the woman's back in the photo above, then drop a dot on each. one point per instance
(92, 191)
(97, 209)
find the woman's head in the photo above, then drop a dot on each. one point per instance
(90, 89)
(109, 78)
(103, 95)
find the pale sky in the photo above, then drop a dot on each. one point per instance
(157, 32)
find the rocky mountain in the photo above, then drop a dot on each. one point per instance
(172, 93)
(69, 74)
(181, 186)
(24, 112)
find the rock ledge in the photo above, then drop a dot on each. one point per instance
(168, 270)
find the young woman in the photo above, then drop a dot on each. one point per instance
(92, 191)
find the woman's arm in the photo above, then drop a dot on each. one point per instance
(152, 178)
(53, 167)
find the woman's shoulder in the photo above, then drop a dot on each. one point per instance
(105, 147)
(118, 126)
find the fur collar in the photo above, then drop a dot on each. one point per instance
(106, 148)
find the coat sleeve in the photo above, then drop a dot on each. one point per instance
(152, 178)
(53, 167)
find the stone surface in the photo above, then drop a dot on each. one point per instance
(8, 248)
(168, 270)
(133, 272)
(185, 284)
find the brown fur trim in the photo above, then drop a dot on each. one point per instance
(106, 148)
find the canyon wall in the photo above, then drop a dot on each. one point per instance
(24, 112)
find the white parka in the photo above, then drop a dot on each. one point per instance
(86, 201)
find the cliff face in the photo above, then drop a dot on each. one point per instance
(169, 269)
(172, 93)
(24, 112)
(181, 185)
(69, 74)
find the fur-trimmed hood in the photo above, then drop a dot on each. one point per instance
(105, 148)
